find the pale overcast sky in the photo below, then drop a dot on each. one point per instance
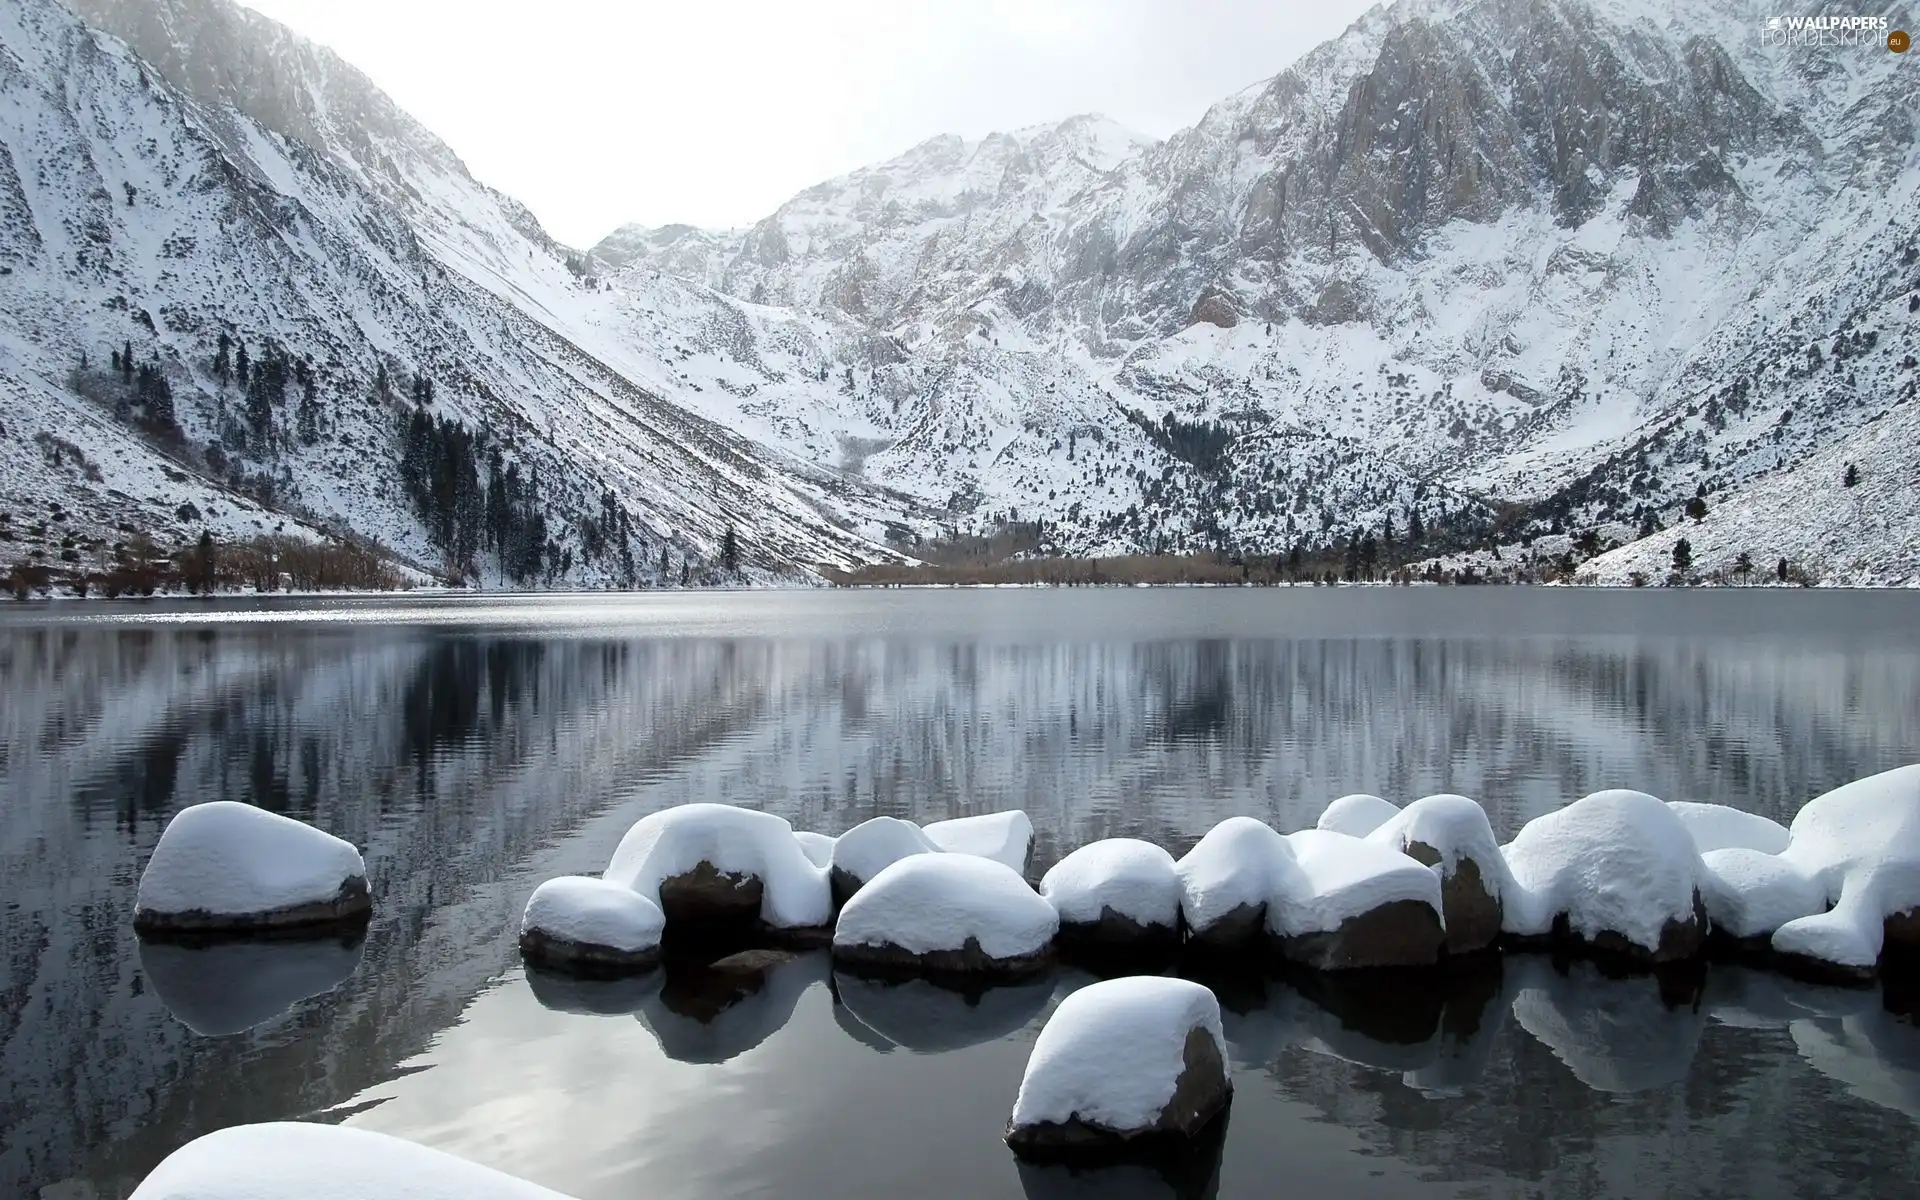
(599, 112)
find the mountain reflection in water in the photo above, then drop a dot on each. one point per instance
(471, 758)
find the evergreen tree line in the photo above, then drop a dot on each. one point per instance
(467, 511)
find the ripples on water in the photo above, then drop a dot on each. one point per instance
(474, 748)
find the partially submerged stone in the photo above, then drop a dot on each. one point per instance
(230, 868)
(1748, 894)
(1004, 837)
(947, 914)
(1859, 846)
(1345, 903)
(1226, 881)
(870, 848)
(1120, 895)
(1128, 1066)
(716, 867)
(576, 923)
(1452, 836)
(1615, 872)
(1357, 815)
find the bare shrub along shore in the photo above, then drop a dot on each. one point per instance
(138, 567)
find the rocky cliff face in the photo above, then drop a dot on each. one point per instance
(1489, 250)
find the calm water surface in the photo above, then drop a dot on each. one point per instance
(476, 747)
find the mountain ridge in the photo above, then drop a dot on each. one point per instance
(1499, 268)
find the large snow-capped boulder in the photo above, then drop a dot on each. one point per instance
(226, 867)
(583, 924)
(291, 1160)
(1615, 871)
(1451, 834)
(1125, 1065)
(1347, 903)
(1357, 815)
(1719, 827)
(947, 914)
(1860, 846)
(713, 864)
(1226, 881)
(1004, 837)
(1748, 894)
(870, 848)
(1116, 894)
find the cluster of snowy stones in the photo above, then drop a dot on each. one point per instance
(1618, 873)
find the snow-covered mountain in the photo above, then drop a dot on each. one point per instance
(233, 181)
(1589, 253)
(1475, 265)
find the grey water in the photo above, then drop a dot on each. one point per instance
(475, 746)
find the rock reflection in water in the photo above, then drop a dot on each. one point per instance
(922, 1017)
(228, 987)
(704, 1015)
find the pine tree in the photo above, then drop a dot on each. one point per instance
(223, 360)
(730, 552)
(1697, 509)
(116, 360)
(1743, 564)
(126, 362)
(1852, 476)
(1780, 571)
(1682, 556)
(1416, 531)
(665, 567)
(241, 365)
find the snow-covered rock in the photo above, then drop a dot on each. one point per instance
(870, 848)
(576, 922)
(1226, 881)
(1749, 893)
(1121, 1065)
(1120, 893)
(1005, 837)
(226, 866)
(957, 914)
(1345, 902)
(707, 863)
(1720, 827)
(297, 1161)
(818, 847)
(1452, 835)
(1860, 846)
(232, 986)
(1616, 870)
(1357, 815)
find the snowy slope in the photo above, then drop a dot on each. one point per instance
(143, 216)
(1864, 535)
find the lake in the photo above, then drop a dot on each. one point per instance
(476, 746)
